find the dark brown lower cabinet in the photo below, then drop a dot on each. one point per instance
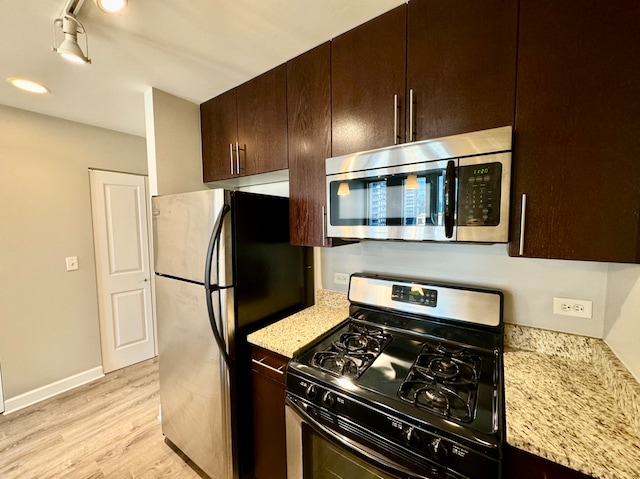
(268, 378)
(520, 464)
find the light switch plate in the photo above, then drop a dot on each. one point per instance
(72, 263)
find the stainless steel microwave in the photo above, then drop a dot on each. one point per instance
(454, 188)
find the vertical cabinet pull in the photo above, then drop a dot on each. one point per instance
(395, 119)
(411, 132)
(523, 220)
(231, 155)
(237, 158)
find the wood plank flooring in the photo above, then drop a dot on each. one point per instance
(105, 429)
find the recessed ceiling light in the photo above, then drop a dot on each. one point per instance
(28, 85)
(111, 6)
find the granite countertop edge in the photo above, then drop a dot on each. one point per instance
(526, 349)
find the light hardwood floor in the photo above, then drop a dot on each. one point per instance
(105, 429)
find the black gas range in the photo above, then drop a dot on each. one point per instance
(409, 386)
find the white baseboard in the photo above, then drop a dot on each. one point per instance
(45, 392)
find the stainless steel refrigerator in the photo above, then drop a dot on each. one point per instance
(224, 268)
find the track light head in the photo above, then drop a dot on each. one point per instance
(112, 6)
(69, 48)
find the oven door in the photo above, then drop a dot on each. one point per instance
(315, 451)
(408, 202)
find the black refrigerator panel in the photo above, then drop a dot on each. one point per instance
(272, 278)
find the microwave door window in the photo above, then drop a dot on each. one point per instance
(349, 203)
(423, 199)
(378, 203)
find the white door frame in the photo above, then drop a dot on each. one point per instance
(113, 357)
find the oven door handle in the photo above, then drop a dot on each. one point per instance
(354, 447)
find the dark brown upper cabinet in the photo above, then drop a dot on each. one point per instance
(219, 129)
(309, 131)
(576, 191)
(461, 66)
(244, 131)
(368, 66)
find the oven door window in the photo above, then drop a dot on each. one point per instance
(325, 460)
(404, 199)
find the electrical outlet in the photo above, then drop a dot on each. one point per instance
(579, 308)
(340, 278)
(72, 263)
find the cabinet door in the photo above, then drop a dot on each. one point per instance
(219, 128)
(576, 146)
(268, 414)
(262, 122)
(461, 66)
(368, 68)
(309, 120)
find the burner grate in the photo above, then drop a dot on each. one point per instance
(353, 352)
(443, 380)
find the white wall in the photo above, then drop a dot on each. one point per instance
(529, 284)
(173, 143)
(49, 326)
(622, 323)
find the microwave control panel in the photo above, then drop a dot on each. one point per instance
(479, 194)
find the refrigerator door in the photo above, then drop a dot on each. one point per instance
(182, 226)
(195, 390)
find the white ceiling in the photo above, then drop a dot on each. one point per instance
(194, 49)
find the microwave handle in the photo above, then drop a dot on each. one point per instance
(449, 198)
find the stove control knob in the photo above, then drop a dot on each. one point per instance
(437, 448)
(411, 436)
(311, 392)
(329, 399)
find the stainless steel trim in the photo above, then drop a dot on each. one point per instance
(475, 307)
(324, 226)
(231, 155)
(456, 146)
(293, 425)
(490, 234)
(352, 446)
(237, 158)
(265, 365)
(411, 132)
(523, 219)
(395, 119)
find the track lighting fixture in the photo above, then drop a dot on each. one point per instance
(111, 6)
(69, 48)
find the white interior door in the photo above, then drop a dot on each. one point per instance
(121, 238)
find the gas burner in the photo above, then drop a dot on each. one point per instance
(353, 352)
(444, 380)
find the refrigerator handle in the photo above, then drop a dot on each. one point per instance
(209, 288)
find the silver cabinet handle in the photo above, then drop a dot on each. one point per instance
(237, 158)
(324, 227)
(411, 138)
(395, 119)
(271, 368)
(523, 220)
(231, 155)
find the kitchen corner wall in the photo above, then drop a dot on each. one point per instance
(49, 328)
(622, 316)
(173, 143)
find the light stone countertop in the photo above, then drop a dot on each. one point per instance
(568, 398)
(290, 334)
